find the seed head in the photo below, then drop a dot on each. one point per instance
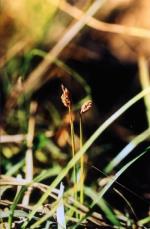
(86, 106)
(65, 97)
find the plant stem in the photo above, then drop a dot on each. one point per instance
(73, 151)
(29, 152)
(145, 83)
(81, 164)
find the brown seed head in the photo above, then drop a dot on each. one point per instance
(86, 106)
(65, 97)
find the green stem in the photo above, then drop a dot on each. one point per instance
(81, 164)
(72, 132)
(144, 76)
(73, 151)
(13, 206)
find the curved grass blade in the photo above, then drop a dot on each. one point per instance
(13, 206)
(65, 67)
(42, 176)
(126, 201)
(117, 175)
(103, 205)
(126, 150)
(85, 147)
(112, 181)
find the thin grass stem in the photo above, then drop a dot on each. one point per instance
(145, 83)
(81, 164)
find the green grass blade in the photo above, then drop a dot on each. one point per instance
(42, 176)
(85, 147)
(65, 67)
(13, 206)
(126, 150)
(112, 181)
(103, 205)
(144, 221)
(14, 169)
(76, 75)
(116, 176)
(47, 173)
(144, 76)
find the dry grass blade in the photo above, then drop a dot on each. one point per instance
(60, 213)
(29, 153)
(103, 26)
(69, 201)
(17, 138)
(7, 180)
(35, 79)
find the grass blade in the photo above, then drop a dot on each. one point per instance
(85, 147)
(13, 206)
(34, 80)
(112, 181)
(14, 169)
(126, 201)
(144, 221)
(126, 150)
(117, 175)
(103, 205)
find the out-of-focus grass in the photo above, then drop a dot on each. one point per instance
(30, 18)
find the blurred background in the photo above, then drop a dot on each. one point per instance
(103, 59)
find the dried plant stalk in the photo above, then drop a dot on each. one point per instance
(29, 153)
(104, 26)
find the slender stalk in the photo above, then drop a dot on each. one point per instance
(34, 80)
(66, 100)
(72, 132)
(81, 164)
(29, 153)
(144, 77)
(84, 108)
(13, 206)
(76, 13)
(73, 151)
